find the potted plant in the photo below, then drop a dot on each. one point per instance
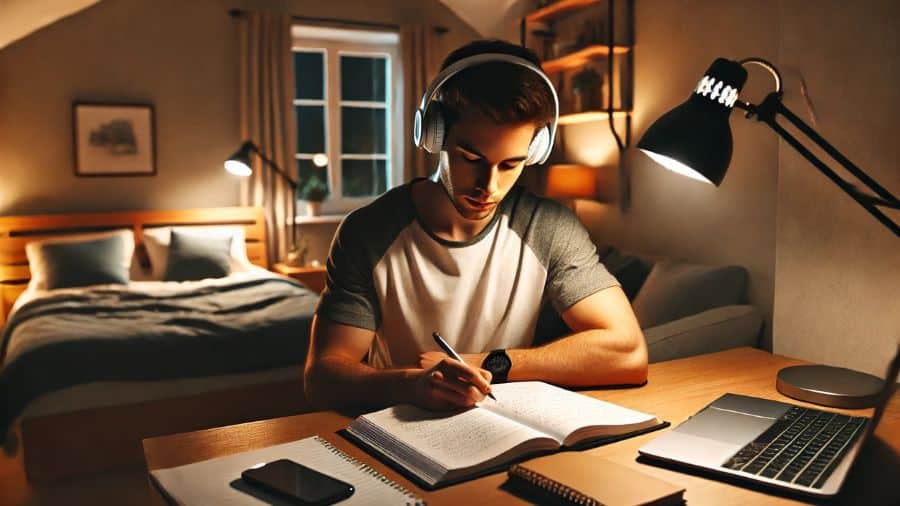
(314, 190)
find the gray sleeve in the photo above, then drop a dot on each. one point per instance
(349, 296)
(574, 269)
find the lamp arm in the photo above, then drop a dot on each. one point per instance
(766, 112)
(274, 166)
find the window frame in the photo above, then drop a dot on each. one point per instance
(353, 43)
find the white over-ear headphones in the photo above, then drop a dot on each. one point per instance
(429, 128)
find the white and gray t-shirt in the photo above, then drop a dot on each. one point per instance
(389, 273)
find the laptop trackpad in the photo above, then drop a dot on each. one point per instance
(725, 426)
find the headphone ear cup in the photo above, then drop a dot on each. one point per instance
(433, 128)
(539, 148)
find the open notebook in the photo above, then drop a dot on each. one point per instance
(527, 418)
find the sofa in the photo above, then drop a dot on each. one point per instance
(684, 308)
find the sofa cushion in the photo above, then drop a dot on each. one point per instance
(676, 289)
(713, 330)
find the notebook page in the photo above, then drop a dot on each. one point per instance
(556, 411)
(210, 481)
(453, 439)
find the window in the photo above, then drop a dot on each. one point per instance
(347, 102)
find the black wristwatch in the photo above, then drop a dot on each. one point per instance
(499, 364)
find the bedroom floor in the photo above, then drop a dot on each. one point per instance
(127, 488)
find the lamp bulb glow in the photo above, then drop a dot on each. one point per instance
(237, 168)
(676, 166)
(320, 159)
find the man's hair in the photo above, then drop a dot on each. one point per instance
(502, 91)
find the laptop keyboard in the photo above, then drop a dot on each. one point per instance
(802, 447)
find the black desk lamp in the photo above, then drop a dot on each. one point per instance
(239, 165)
(694, 140)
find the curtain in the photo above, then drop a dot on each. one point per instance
(419, 48)
(267, 118)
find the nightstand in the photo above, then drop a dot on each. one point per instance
(311, 276)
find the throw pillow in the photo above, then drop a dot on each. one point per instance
(88, 262)
(675, 289)
(193, 257)
(157, 241)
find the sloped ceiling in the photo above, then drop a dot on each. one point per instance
(19, 18)
(491, 18)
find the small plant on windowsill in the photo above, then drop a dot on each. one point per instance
(314, 191)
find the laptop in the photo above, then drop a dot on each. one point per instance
(776, 444)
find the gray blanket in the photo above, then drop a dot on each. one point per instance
(111, 335)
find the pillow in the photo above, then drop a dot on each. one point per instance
(80, 260)
(156, 242)
(631, 271)
(675, 289)
(192, 257)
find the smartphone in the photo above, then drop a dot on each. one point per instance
(297, 483)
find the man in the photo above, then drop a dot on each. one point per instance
(470, 255)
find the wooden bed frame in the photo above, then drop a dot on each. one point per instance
(109, 438)
(17, 231)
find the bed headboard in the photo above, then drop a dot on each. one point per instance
(17, 231)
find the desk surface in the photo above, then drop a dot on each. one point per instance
(676, 390)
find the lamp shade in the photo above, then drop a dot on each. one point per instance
(694, 139)
(239, 163)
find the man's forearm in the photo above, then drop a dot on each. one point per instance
(333, 383)
(588, 358)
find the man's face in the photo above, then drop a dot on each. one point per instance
(485, 160)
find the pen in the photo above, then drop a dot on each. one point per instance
(449, 351)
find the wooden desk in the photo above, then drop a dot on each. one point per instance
(676, 390)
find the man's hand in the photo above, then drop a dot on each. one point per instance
(449, 384)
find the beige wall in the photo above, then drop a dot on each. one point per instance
(181, 56)
(823, 270)
(837, 269)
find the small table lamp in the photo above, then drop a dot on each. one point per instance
(571, 181)
(694, 140)
(239, 165)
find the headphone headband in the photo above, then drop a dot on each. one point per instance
(471, 61)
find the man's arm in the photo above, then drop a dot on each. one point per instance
(606, 347)
(335, 376)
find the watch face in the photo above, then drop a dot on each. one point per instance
(497, 362)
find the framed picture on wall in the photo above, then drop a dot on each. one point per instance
(114, 139)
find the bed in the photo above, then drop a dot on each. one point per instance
(89, 371)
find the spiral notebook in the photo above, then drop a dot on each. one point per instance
(218, 481)
(586, 479)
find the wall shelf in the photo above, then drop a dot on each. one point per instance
(557, 9)
(580, 57)
(586, 50)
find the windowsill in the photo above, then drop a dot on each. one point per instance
(324, 218)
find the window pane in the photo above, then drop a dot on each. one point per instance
(363, 130)
(363, 178)
(311, 179)
(363, 78)
(310, 128)
(309, 69)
